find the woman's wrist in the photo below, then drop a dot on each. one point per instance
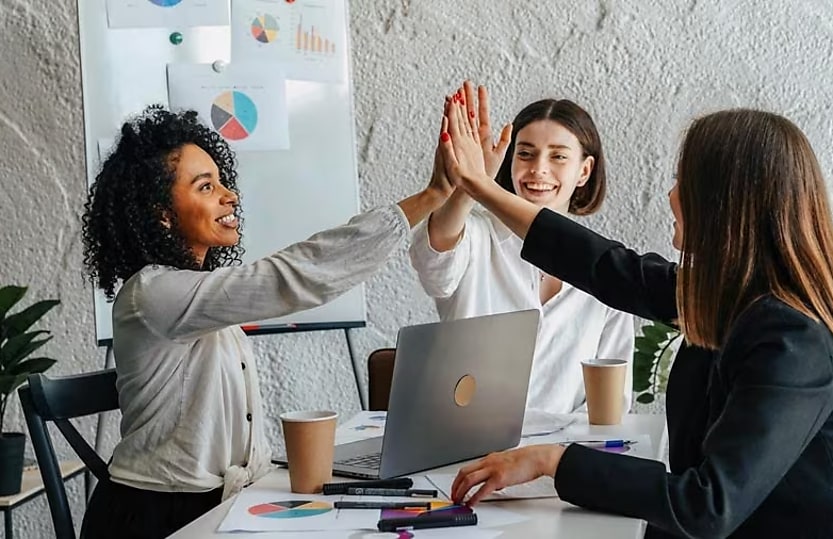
(551, 458)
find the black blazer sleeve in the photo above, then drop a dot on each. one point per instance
(773, 393)
(642, 285)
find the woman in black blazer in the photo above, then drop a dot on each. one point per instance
(750, 397)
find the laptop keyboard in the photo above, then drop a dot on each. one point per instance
(370, 462)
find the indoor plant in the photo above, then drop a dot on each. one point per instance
(17, 343)
(652, 356)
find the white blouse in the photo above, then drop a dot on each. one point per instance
(192, 418)
(485, 274)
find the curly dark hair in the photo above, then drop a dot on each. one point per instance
(122, 222)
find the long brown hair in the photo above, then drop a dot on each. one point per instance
(587, 198)
(756, 221)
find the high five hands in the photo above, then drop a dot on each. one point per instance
(467, 152)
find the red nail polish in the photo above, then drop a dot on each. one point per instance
(445, 137)
(471, 113)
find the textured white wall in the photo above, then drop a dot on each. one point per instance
(642, 68)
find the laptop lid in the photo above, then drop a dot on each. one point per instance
(458, 391)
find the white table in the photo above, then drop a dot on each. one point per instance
(549, 517)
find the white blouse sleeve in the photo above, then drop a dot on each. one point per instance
(441, 272)
(184, 304)
(616, 342)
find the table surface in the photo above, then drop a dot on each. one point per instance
(548, 517)
(33, 484)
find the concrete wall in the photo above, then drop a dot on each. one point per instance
(642, 68)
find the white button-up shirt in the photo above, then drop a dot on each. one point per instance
(192, 418)
(485, 274)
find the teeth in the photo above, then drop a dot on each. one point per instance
(228, 219)
(538, 186)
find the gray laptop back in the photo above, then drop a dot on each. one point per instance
(458, 391)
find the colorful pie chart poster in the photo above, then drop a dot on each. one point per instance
(306, 37)
(245, 103)
(166, 13)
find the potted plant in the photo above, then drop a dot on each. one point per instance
(17, 343)
(652, 356)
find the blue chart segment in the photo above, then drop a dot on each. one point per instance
(165, 3)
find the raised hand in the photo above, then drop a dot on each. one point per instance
(507, 468)
(493, 153)
(439, 182)
(461, 151)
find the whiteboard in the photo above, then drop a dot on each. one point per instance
(286, 195)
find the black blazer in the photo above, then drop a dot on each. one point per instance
(750, 426)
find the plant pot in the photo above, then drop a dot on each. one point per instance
(11, 462)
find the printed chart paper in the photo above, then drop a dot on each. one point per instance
(166, 13)
(543, 487)
(244, 103)
(307, 38)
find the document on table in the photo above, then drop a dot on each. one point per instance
(272, 510)
(543, 487)
(540, 423)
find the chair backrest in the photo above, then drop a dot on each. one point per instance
(58, 400)
(379, 377)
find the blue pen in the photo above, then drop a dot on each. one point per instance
(604, 443)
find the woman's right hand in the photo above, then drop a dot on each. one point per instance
(493, 153)
(461, 149)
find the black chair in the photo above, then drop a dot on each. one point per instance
(58, 400)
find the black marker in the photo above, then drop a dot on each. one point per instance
(427, 520)
(361, 491)
(381, 505)
(341, 488)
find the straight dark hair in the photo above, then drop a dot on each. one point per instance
(588, 198)
(756, 221)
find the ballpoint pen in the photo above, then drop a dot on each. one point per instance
(381, 505)
(361, 491)
(602, 443)
(341, 488)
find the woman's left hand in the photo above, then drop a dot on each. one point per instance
(500, 470)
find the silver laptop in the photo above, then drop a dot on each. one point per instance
(458, 392)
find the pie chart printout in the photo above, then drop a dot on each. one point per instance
(265, 28)
(234, 115)
(290, 509)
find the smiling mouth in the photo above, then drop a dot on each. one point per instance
(229, 220)
(538, 187)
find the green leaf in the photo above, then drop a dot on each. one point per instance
(646, 345)
(9, 295)
(32, 366)
(19, 347)
(20, 322)
(655, 334)
(641, 384)
(645, 398)
(9, 383)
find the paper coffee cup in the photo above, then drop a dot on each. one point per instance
(310, 443)
(604, 388)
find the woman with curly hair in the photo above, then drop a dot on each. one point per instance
(162, 220)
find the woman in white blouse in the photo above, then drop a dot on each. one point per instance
(470, 263)
(163, 220)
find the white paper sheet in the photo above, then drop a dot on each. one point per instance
(361, 426)
(540, 423)
(166, 13)
(306, 37)
(542, 487)
(245, 103)
(271, 510)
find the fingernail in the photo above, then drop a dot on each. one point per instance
(445, 137)
(471, 113)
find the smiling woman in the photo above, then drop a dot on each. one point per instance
(163, 220)
(469, 262)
